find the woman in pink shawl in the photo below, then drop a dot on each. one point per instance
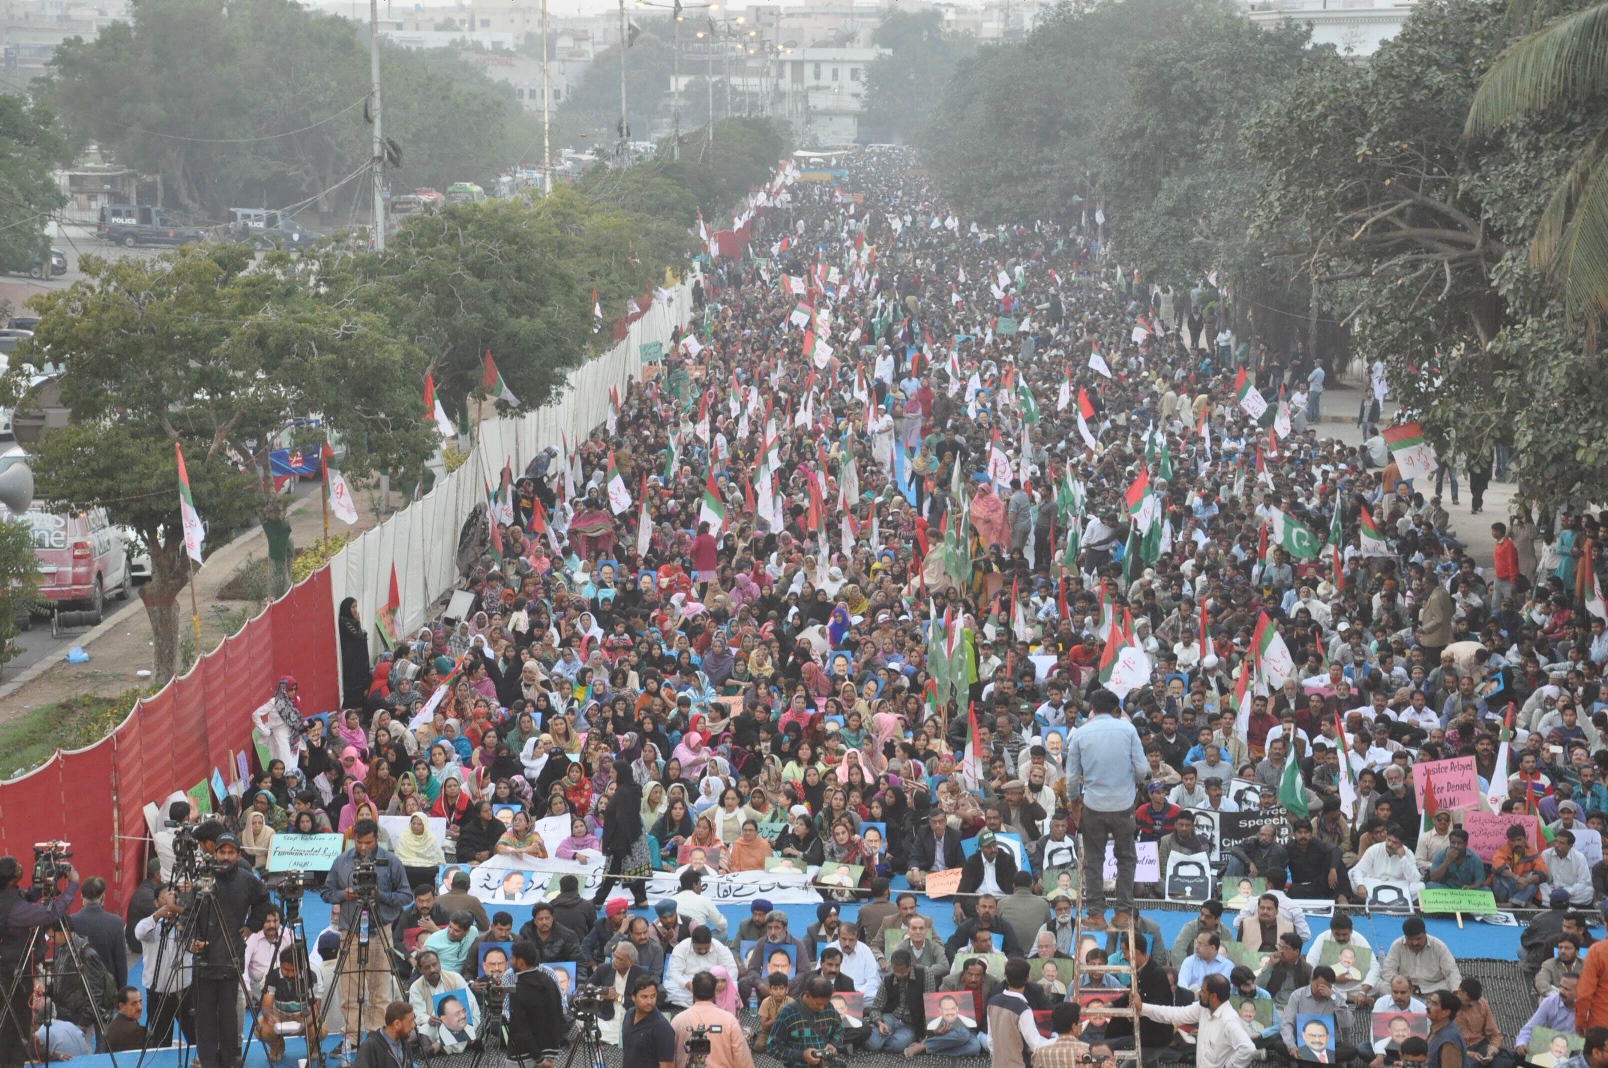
(884, 727)
(693, 755)
(352, 763)
(725, 989)
(850, 758)
(988, 518)
(744, 590)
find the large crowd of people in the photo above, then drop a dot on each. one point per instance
(935, 547)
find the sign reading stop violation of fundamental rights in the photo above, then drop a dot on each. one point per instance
(1473, 902)
(1455, 782)
(304, 852)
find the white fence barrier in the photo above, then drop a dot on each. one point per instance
(422, 539)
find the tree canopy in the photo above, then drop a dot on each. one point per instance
(30, 145)
(899, 93)
(265, 105)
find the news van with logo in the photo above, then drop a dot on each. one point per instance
(82, 557)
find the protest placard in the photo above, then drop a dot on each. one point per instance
(1149, 867)
(943, 883)
(304, 852)
(1455, 782)
(1474, 902)
(1487, 831)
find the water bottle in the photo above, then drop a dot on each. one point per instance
(363, 928)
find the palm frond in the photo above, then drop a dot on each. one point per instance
(1566, 59)
(1571, 238)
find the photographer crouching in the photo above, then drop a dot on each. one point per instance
(372, 889)
(20, 913)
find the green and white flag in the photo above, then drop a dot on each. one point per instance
(1296, 539)
(1292, 789)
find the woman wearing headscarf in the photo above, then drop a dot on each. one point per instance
(355, 669)
(262, 801)
(478, 834)
(358, 806)
(380, 783)
(693, 755)
(725, 989)
(255, 838)
(280, 720)
(419, 851)
(406, 786)
(653, 804)
(622, 840)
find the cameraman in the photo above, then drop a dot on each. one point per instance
(370, 982)
(809, 1029)
(241, 902)
(727, 1047)
(537, 1029)
(20, 913)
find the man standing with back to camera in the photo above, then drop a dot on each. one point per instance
(372, 983)
(1105, 761)
(20, 915)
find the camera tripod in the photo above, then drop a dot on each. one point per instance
(356, 942)
(32, 956)
(301, 983)
(201, 916)
(586, 1050)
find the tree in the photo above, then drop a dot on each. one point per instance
(510, 279)
(30, 145)
(19, 577)
(1556, 68)
(899, 86)
(1372, 189)
(191, 348)
(265, 105)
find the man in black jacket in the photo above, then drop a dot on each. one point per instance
(936, 848)
(241, 902)
(622, 830)
(537, 1029)
(991, 869)
(387, 1047)
(571, 910)
(555, 941)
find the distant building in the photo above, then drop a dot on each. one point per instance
(1356, 28)
(30, 30)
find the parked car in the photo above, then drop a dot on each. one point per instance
(37, 268)
(82, 556)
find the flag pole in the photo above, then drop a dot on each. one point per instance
(323, 496)
(195, 612)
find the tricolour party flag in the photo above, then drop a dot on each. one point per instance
(433, 411)
(1336, 560)
(1085, 412)
(340, 494)
(972, 767)
(1273, 661)
(1414, 456)
(1064, 397)
(1139, 489)
(644, 521)
(597, 312)
(1594, 603)
(1247, 397)
(194, 532)
(1497, 791)
(385, 620)
(1373, 542)
(1430, 806)
(493, 385)
(712, 508)
(1348, 778)
(619, 495)
(1097, 362)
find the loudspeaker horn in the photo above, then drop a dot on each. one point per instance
(17, 487)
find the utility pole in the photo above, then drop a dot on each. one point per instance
(675, 81)
(547, 111)
(625, 42)
(378, 162)
(709, 83)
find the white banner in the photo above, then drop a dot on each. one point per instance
(511, 880)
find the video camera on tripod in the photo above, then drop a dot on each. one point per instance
(50, 865)
(697, 1044)
(365, 878)
(289, 886)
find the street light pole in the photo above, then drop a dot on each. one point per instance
(675, 84)
(547, 111)
(625, 131)
(378, 164)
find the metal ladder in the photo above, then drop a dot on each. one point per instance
(1131, 1012)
